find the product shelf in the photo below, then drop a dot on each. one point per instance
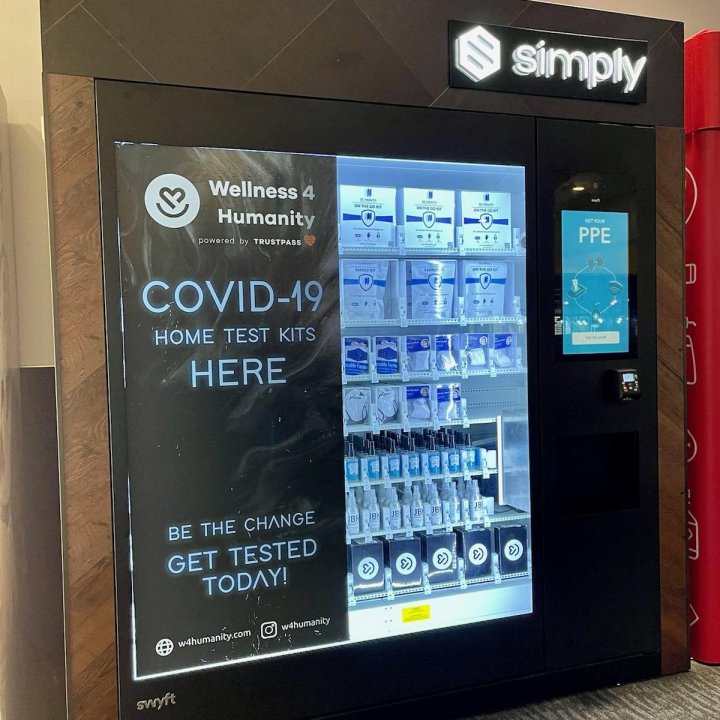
(374, 616)
(444, 322)
(428, 376)
(418, 478)
(405, 252)
(485, 522)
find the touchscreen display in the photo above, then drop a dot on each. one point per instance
(595, 282)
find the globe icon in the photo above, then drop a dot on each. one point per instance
(164, 647)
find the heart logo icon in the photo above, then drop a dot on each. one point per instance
(172, 200)
(310, 240)
(172, 197)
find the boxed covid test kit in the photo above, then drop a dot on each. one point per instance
(367, 217)
(429, 219)
(486, 221)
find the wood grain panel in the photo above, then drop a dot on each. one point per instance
(671, 399)
(88, 551)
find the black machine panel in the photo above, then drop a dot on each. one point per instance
(150, 273)
(596, 199)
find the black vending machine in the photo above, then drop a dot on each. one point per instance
(383, 388)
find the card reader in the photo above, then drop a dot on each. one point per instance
(623, 385)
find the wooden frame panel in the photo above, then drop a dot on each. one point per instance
(83, 409)
(671, 398)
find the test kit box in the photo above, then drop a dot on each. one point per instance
(367, 216)
(404, 558)
(429, 219)
(484, 287)
(511, 545)
(476, 547)
(486, 221)
(367, 564)
(439, 551)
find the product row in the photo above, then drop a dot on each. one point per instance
(427, 505)
(388, 218)
(426, 290)
(393, 406)
(395, 357)
(462, 556)
(390, 456)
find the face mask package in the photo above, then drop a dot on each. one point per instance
(448, 402)
(485, 285)
(387, 355)
(486, 221)
(364, 289)
(368, 217)
(356, 356)
(387, 404)
(356, 405)
(418, 400)
(429, 218)
(504, 350)
(476, 348)
(430, 289)
(417, 353)
(445, 357)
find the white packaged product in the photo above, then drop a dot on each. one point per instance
(387, 354)
(445, 353)
(364, 287)
(504, 345)
(418, 402)
(476, 347)
(429, 218)
(486, 221)
(417, 352)
(387, 403)
(430, 289)
(356, 356)
(368, 216)
(356, 405)
(484, 285)
(448, 402)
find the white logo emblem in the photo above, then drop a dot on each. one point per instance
(406, 563)
(477, 54)
(164, 647)
(442, 559)
(477, 554)
(513, 550)
(368, 568)
(172, 200)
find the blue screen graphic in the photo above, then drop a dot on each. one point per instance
(595, 300)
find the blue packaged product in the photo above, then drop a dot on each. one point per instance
(448, 402)
(387, 355)
(418, 402)
(445, 359)
(430, 289)
(504, 349)
(476, 346)
(364, 285)
(417, 349)
(357, 355)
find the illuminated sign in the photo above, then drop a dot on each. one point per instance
(546, 63)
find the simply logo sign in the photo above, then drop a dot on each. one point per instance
(536, 62)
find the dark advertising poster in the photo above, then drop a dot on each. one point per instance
(230, 332)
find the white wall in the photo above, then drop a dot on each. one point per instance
(696, 14)
(21, 81)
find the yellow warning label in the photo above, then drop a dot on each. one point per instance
(413, 614)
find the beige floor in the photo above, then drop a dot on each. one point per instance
(690, 696)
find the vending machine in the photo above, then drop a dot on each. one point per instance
(382, 400)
